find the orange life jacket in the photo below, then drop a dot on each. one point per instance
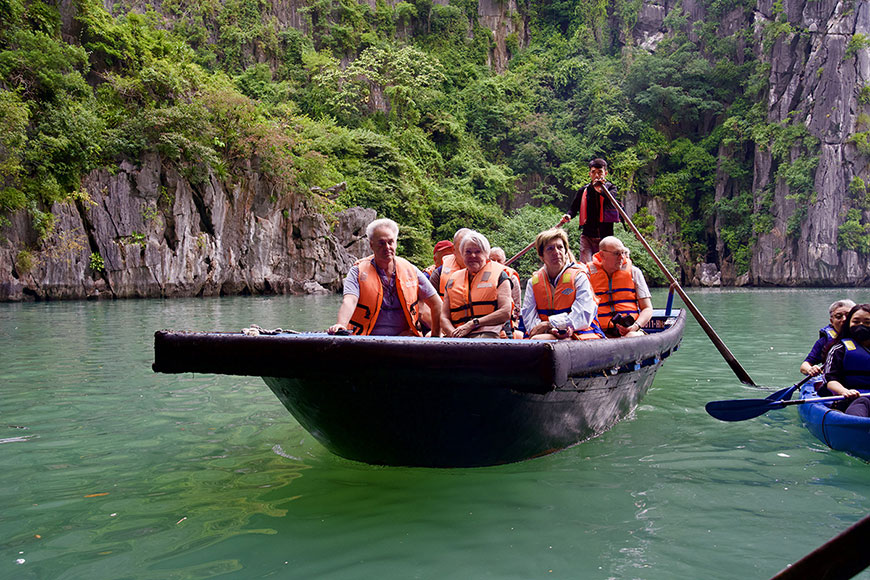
(609, 215)
(479, 298)
(550, 300)
(429, 270)
(448, 266)
(510, 326)
(615, 293)
(371, 295)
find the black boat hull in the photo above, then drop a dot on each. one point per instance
(438, 402)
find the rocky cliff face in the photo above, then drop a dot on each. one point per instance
(147, 232)
(815, 79)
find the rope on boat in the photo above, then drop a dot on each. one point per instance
(256, 330)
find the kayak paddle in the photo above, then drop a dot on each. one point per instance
(786, 393)
(742, 409)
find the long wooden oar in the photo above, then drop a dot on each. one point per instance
(743, 409)
(529, 247)
(723, 350)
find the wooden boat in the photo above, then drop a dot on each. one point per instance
(834, 428)
(438, 402)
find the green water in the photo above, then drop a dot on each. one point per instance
(108, 470)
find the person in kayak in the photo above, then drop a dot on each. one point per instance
(449, 264)
(477, 298)
(442, 248)
(847, 366)
(559, 302)
(624, 299)
(382, 291)
(815, 360)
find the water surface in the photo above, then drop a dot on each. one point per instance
(108, 470)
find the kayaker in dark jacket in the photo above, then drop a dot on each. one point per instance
(847, 367)
(815, 360)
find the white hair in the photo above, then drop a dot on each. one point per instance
(382, 223)
(841, 304)
(476, 238)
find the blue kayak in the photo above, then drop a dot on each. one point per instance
(834, 428)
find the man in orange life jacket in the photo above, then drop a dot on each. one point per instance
(597, 215)
(442, 248)
(620, 288)
(381, 291)
(450, 263)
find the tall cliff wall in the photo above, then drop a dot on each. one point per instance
(814, 80)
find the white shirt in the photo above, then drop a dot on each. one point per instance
(583, 309)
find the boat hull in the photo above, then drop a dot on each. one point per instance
(834, 428)
(438, 402)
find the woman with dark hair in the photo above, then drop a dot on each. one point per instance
(847, 366)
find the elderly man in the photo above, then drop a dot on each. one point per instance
(498, 255)
(624, 304)
(442, 249)
(382, 291)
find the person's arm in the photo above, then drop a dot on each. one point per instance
(499, 316)
(646, 312)
(813, 364)
(575, 207)
(529, 313)
(447, 327)
(345, 311)
(348, 302)
(434, 303)
(583, 309)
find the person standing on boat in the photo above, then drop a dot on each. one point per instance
(477, 299)
(559, 301)
(442, 248)
(597, 214)
(624, 299)
(847, 366)
(450, 263)
(382, 291)
(838, 311)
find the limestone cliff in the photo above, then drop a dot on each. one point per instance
(155, 234)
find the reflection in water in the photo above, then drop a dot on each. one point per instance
(108, 470)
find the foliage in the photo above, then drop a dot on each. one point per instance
(401, 103)
(854, 234)
(96, 262)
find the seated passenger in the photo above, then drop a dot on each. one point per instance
(847, 367)
(477, 300)
(382, 291)
(442, 248)
(624, 304)
(497, 255)
(450, 263)
(559, 302)
(815, 360)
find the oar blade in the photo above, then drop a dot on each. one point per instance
(741, 409)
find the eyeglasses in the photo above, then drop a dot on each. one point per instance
(623, 253)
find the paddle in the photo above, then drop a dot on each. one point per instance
(786, 393)
(529, 247)
(743, 409)
(723, 350)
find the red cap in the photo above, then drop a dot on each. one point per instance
(443, 245)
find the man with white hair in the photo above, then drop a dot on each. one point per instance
(382, 291)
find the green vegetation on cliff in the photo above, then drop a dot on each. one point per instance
(400, 102)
